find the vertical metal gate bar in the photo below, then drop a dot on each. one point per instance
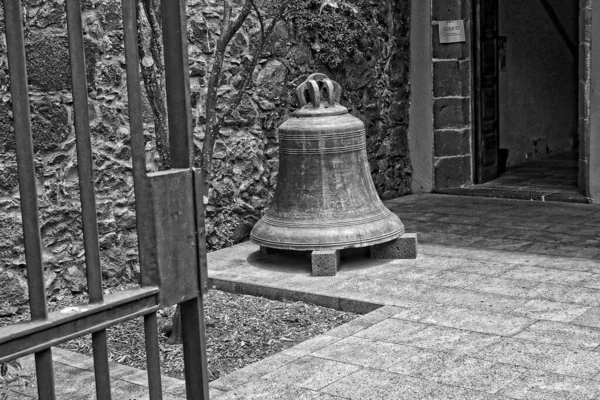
(25, 158)
(27, 186)
(181, 143)
(194, 349)
(101, 368)
(87, 192)
(84, 151)
(143, 193)
(134, 93)
(153, 356)
(177, 83)
(45, 374)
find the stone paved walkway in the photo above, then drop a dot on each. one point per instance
(503, 302)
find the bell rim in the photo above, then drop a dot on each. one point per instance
(359, 243)
(313, 237)
(282, 222)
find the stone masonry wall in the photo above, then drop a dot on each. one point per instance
(452, 102)
(585, 38)
(375, 87)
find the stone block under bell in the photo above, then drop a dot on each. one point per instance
(405, 247)
(325, 262)
(325, 200)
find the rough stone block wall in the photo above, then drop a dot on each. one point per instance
(452, 100)
(585, 42)
(246, 154)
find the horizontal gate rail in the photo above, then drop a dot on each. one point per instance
(21, 339)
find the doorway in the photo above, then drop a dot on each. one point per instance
(525, 99)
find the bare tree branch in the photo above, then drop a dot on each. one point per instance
(212, 121)
(260, 20)
(257, 52)
(153, 76)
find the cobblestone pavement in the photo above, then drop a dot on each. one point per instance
(503, 302)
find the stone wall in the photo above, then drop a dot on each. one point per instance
(246, 155)
(452, 122)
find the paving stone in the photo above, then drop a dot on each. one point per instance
(252, 373)
(410, 216)
(563, 250)
(453, 340)
(541, 356)
(172, 386)
(374, 290)
(503, 286)
(370, 384)
(458, 370)
(446, 392)
(552, 275)
(123, 390)
(589, 318)
(216, 394)
(502, 244)
(551, 310)
(365, 353)
(448, 228)
(572, 229)
(540, 385)
(477, 374)
(311, 345)
(541, 235)
(517, 224)
(356, 325)
(269, 390)
(76, 360)
(439, 278)
(571, 336)
(391, 330)
(423, 364)
(474, 299)
(311, 372)
(435, 249)
(488, 268)
(458, 219)
(436, 263)
(591, 282)
(387, 311)
(447, 239)
(468, 319)
(572, 264)
(568, 294)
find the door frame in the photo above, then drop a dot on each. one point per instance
(428, 165)
(481, 172)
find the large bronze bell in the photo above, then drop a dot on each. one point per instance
(325, 198)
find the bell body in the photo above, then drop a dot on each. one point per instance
(325, 198)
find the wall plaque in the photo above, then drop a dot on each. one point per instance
(452, 31)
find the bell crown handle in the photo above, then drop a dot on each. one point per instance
(317, 88)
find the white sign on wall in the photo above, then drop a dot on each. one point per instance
(452, 31)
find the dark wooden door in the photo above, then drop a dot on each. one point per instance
(486, 90)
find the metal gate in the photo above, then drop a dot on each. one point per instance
(169, 211)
